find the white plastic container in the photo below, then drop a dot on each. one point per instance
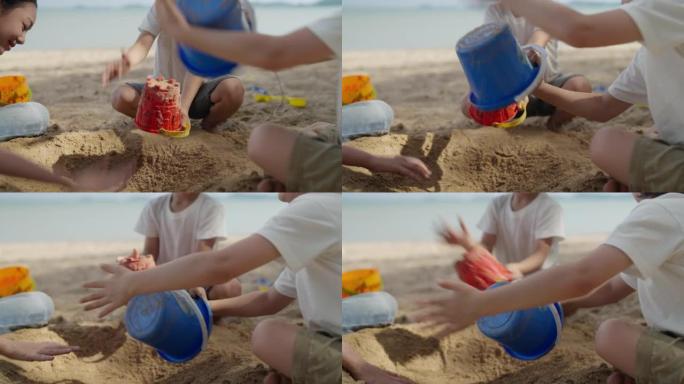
(25, 310)
(23, 120)
(365, 310)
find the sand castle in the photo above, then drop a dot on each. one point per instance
(159, 108)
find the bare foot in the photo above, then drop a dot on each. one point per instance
(269, 184)
(370, 374)
(619, 378)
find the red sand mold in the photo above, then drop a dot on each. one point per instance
(159, 106)
(480, 269)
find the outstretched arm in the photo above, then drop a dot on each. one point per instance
(579, 30)
(592, 106)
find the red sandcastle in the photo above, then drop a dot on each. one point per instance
(480, 269)
(137, 262)
(159, 107)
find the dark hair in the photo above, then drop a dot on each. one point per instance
(9, 4)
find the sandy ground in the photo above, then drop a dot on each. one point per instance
(425, 88)
(409, 273)
(86, 129)
(108, 354)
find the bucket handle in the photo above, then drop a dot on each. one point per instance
(540, 75)
(559, 323)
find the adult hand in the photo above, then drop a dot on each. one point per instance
(453, 312)
(110, 293)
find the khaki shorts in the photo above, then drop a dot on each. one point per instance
(317, 358)
(660, 358)
(316, 163)
(656, 167)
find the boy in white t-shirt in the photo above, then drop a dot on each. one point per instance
(213, 101)
(180, 224)
(526, 33)
(295, 161)
(521, 230)
(645, 253)
(307, 235)
(655, 77)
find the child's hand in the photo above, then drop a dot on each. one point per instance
(534, 56)
(137, 262)
(450, 235)
(25, 351)
(171, 19)
(515, 271)
(569, 308)
(116, 69)
(403, 165)
(198, 292)
(112, 293)
(453, 313)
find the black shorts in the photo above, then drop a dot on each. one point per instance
(201, 105)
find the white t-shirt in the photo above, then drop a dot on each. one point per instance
(180, 232)
(167, 63)
(522, 31)
(656, 75)
(517, 232)
(652, 236)
(329, 30)
(308, 236)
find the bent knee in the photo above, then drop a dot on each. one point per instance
(578, 84)
(258, 145)
(262, 336)
(601, 143)
(230, 91)
(607, 335)
(124, 98)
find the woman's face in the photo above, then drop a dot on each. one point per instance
(14, 23)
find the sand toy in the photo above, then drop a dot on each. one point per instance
(527, 334)
(372, 309)
(15, 279)
(174, 323)
(297, 102)
(14, 89)
(357, 87)
(507, 117)
(497, 69)
(361, 281)
(481, 270)
(159, 108)
(136, 262)
(213, 14)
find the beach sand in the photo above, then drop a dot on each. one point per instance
(107, 354)
(409, 272)
(425, 88)
(86, 129)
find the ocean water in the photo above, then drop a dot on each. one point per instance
(26, 217)
(69, 28)
(412, 217)
(390, 28)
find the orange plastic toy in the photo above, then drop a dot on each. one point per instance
(361, 281)
(14, 89)
(159, 108)
(357, 87)
(15, 279)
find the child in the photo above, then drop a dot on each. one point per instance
(214, 101)
(296, 161)
(645, 252)
(179, 224)
(655, 76)
(307, 235)
(25, 119)
(526, 33)
(521, 230)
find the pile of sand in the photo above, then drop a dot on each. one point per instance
(87, 130)
(425, 87)
(108, 354)
(410, 272)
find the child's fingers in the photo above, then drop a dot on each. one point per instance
(107, 310)
(93, 297)
(97, 304)
(94, 284)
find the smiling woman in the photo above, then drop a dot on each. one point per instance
(16, 18)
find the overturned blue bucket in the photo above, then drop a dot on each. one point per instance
(497, 69)
(525, 335)
(174, 323)
(212, 14)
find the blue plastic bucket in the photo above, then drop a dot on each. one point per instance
(174, 323)
(528, 334)
(497, 69)
(212, 14)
